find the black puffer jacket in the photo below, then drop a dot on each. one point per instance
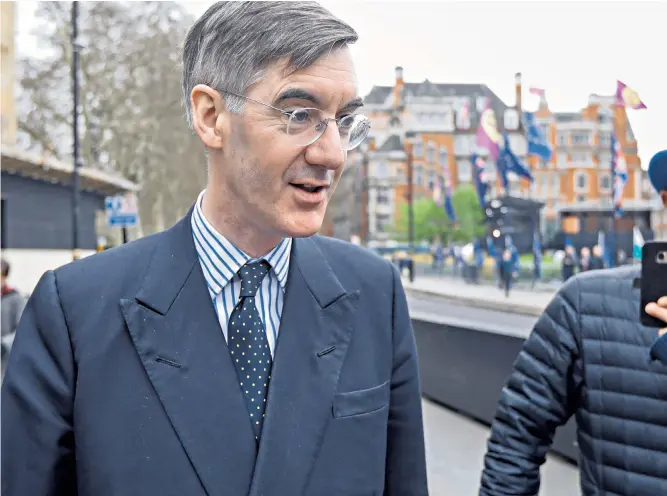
(588, 356)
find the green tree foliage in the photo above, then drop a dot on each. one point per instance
(431, 220)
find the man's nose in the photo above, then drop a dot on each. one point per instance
(327, 151)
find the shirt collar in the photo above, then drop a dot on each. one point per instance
(221, 260)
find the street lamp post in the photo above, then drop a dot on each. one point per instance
(411, 213)
(75, 132)
(365, 196)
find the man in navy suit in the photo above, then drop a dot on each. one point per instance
(236, 353)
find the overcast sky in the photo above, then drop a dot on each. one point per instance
(570, 49)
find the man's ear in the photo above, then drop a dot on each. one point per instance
(208, 115)
(663, 197)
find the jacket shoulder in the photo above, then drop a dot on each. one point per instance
(608, 281)
(122, 265)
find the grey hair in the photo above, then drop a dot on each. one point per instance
(232, 43)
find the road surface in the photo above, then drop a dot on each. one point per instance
(455, 448)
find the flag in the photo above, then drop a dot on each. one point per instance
(447, 190)
(627, 97)
(619, 174)
(490, 247)
(487, 132)
(509, 245)
(537, 253)
(463, 117)
(568, 242)
(637, 243)
(538, 143)
(512, 163)
(602, 243)
(502, 168)
(480, 178)
(437, 191)
(537, 91)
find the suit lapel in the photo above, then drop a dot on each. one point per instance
(315, 331)
(176, 332)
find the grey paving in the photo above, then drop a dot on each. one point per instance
(455, 447)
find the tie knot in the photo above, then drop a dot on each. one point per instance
(251, 277)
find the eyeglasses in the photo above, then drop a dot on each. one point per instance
(307, 125)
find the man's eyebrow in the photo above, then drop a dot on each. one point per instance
(297, 94)
(353, 104)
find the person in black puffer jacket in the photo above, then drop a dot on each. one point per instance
(588, 356)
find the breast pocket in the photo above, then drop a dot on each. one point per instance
(363, 401)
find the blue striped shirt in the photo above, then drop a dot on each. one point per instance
(220, 261)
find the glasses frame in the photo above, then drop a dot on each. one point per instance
(324, 121)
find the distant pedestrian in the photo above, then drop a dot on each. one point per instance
(12, 308)
(585, 260)
(597, 261)
(507, 271)
(569, 263)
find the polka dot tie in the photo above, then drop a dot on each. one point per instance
(248, 345)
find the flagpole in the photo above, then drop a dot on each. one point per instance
(411, 214)
(613, 226)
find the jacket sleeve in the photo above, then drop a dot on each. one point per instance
(37, 397)
(540, 395)
(406, 459)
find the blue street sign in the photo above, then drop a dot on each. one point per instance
(122, 210)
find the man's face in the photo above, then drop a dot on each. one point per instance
(261, 164)
(663, 197)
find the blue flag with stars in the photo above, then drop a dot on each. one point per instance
(538, 144)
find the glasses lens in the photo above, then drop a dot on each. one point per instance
(306, 125)
(353, 130)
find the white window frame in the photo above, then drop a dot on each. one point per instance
(577, 188)
(601, 187)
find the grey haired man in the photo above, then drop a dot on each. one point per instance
(237, 353)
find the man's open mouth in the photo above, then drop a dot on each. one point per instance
(309, 188)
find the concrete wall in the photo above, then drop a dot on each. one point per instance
(466, 369)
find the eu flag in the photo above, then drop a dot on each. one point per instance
(538, 144)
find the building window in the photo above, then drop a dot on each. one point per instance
(511, 119)
(431, 179)
(544, 187)
(444, 156)
(419, 152)
(605, 160)
(605, 139)
(383, 197)
(562, 160)
(556, 186)
(546, 131)
(581, 198)
(419, 175)
(430, 158)
(562, 139)
(581, 138)
(605, 182)
(382, 170)
(383, 222)
(581, 181)
(581, 157)
(464, 171)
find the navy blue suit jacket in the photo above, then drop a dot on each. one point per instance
(120, 383)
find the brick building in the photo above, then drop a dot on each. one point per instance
(443, 134)
(575, 184)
